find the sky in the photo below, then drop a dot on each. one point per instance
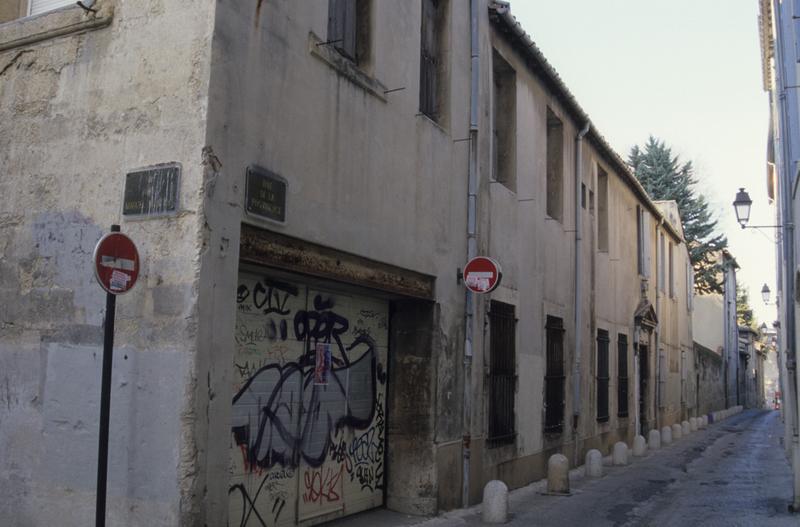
(686, 72)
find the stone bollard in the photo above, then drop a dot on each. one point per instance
(677, 432)
(693, 424)
(666, 435)
(686, 428)
(558, 474)
(620, 455)
(594, 464)
(495, 502)
(701, 422)
(654, 440)
(639, 446)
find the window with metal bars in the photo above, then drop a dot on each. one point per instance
(554, 376)
(622, 376)
(502, 373)
(602, 375)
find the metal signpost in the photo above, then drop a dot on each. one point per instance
(116, 267)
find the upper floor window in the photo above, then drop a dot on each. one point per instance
(641, 242)
(14, 9)
(504, 121)
(602, 210)
(431, 64)
(348, 28)
(661, 263)
(36, 7)
(555, 166)
(671, 262)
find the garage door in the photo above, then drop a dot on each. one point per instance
(308, 420)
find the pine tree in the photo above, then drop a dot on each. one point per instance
(665, 177)
(744, 313)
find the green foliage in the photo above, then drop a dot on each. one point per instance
(665, 177)
(744, 313)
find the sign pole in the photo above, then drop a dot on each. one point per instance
(105, 405)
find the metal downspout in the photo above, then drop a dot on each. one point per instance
(659, 272)
(576, 371)
(472, 247)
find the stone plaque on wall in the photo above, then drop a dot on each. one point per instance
(265, 195)
(152, 191)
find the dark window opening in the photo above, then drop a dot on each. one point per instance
(602, 210)
(602, 375)
(622, 376)
(348, 28)
(554, 376)
(432, 73)
(555, 166)
(502, 373)
(583, 195)
(504, 121)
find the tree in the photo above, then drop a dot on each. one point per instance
(665, 177)
(744, 313)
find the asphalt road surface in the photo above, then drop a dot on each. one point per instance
(732, 474)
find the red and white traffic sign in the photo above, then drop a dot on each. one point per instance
(116, 263)
(482, 274)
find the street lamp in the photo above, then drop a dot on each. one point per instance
(765, 293)
(741, 205)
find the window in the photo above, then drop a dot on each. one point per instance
(640, 237)
(602, 375)
(583, 195)
(602, 210)
(671, 271)
(554, 376)
(555, 166)
(661, 260)
(348, 28)
(42, 6)
(504, 121)
(431, 68)
(502, 373)
(622, 376)
(689, 286)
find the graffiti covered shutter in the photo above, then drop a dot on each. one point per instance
(308, 428)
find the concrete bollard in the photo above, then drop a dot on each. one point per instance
(594, 464)
(495, 502)
(654, 440)
(620, 455)
(666, 435)
(701, 422)
(693, 424)
(677, 432)
(639, 446)
(558, 474)
(686, 428)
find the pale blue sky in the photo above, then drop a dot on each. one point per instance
(687, 72)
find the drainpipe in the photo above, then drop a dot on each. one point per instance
(576, 370)
(472, 247)
(660, 271)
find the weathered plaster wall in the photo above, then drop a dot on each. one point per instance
(76, 113)
(367, 175)
(709, 368)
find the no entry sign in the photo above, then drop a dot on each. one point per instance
(116, 263)
(482, 274)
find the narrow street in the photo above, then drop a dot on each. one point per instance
(732, 474)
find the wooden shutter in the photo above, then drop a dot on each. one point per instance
(429, 59)
(342, 26)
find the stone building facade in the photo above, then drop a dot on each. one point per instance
(300, 345)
